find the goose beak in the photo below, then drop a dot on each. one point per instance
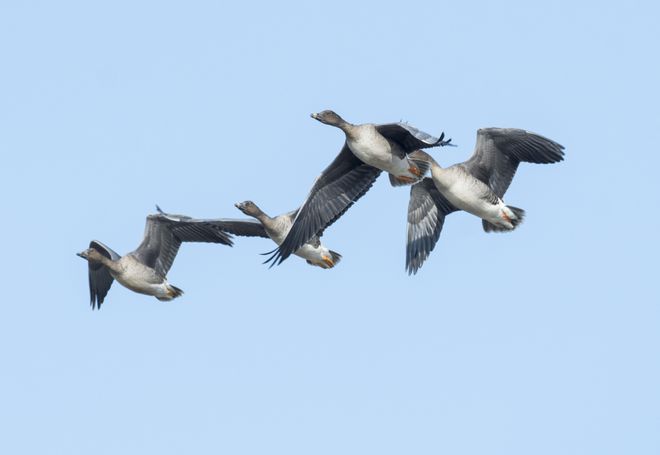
(80, 255)
(314, 116)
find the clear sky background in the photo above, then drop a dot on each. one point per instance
(545, 340)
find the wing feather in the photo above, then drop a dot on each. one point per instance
(99, 276)
(409, 137)
(164, 234)
(499, 151)
(338, 187)
(244, 228)
(427, 209)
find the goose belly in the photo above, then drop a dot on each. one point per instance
(470, 195)
(307, 251)
(312, 254)
(141, 279)
(474, 205)
(377, 152)
(144, 287)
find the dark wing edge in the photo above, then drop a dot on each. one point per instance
(159, 246)
(524, 145)
(99, 276)
(410, 137)
(201, 231)
(427, 209)
(243, 228)
(338, 187)
(499, 151)
(164, 234)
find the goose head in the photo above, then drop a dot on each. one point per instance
(248, 207)
(328, 117)
(91, 254)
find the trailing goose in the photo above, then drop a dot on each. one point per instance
(143, 270)
(475, 186)
(276, 229)
(368, 150)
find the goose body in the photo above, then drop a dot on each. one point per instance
(476, 186)
(314, 252)
(371, 147)
(144, 270)
(467, 193)
(277, 228)
(137, 277)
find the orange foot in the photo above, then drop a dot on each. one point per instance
(328, 260)
(415, 171)
(405, 179)
(506, 217)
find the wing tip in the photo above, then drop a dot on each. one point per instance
(95, 303)
(276, 258)
(226, 238)
(414, 262)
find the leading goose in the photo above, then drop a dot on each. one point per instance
(476, 186)
(144, 269)
(276, 228)
(368, 150)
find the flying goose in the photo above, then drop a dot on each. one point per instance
(144, 269)
(368, 150)
(476, 186)
(277, 228)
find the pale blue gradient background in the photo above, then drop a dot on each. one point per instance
(542, 341)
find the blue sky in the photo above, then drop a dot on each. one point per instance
(545, 340)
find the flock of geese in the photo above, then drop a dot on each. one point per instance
(476, 186)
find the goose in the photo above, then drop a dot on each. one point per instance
(476, 186)
(368, 150)
(276, 228)
(144, 270)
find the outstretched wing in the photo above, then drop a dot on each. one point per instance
(499, 151)
(100, 279)
(409, 137)
(244, 228)
(164, 234)
(426, 215)
(338, 187)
